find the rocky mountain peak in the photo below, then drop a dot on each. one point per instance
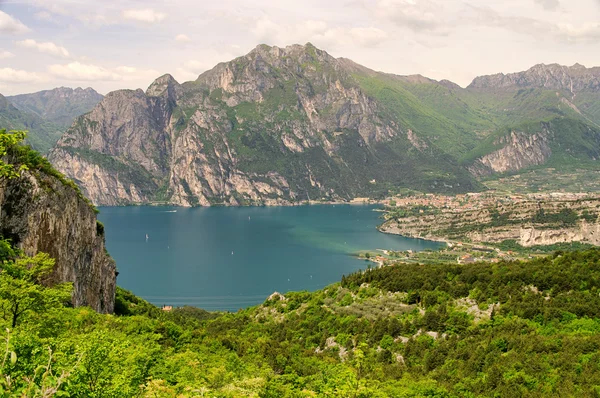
(295, 51)
(166, 84)
(553, 76)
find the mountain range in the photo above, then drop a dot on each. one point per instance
(46, 114)
(287, 125)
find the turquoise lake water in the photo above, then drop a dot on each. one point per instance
(226, 258)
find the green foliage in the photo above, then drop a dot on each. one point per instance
(15, 158)
(563, 218)
(21, 292)
(43, 134)
(9, 141)
(449, 330)
(99, 228)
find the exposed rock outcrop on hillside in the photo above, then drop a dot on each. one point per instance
(517, 151)
(278, 125)
(529, 223)
(39, 213)
(557, 77)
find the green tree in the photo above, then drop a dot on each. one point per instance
(21, 290)
(7, 141)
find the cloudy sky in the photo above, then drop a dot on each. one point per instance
(110, 44)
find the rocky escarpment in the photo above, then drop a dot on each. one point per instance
(517, 151)
(278, 125)
(40, 213)
(556, 77)
(288, 125)
(529, 223)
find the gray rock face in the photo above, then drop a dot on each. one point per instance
(557, 77)
(518, 151)
(40, 214)
(476, 225)
(275, 126)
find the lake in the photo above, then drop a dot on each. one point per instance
(226, 258)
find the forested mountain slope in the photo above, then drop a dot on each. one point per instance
(46, 114)
(285, 125)
(475, 330)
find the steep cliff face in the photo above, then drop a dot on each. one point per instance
(42, 214)
(529, 223)
(517, 151)
(278, 125)
(285, 125)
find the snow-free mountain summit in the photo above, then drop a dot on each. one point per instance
(285, 125)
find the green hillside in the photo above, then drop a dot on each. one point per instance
(42, 133)
(480, 330)
(529, 329)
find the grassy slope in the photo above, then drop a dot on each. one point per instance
(42, 134)
(430, 109)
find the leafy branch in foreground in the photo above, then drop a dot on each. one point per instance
(7, 141)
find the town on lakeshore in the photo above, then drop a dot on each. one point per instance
(488, 226)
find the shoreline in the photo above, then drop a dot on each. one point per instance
(311, 203)
(438, 239)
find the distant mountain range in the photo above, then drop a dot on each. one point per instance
(46, 114)
(285, 125)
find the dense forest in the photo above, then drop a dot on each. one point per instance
(504, 329)
(473, 330)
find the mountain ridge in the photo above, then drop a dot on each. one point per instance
(281, 125)
(46, 114)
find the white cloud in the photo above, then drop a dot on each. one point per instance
(416, 15)
(46, 48)
(131, 73)
(44, 16)
(583, 32)
(368, 37)
(82, 72)
(550, 5)
(78, 71)
(147, 15)
(318, 33)
(10, 75)
(181, 38)
(6, 54)
(11, 25)
(191, 69)
(126, 69)
(537, 28)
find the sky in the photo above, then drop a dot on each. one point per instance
(110, 45)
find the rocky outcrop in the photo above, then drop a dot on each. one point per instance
(575, 78)
(106, 187)
(529, 223)
(276, 126)
(517, 151)
(39, 213)
(287, 125)
(584, 232)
